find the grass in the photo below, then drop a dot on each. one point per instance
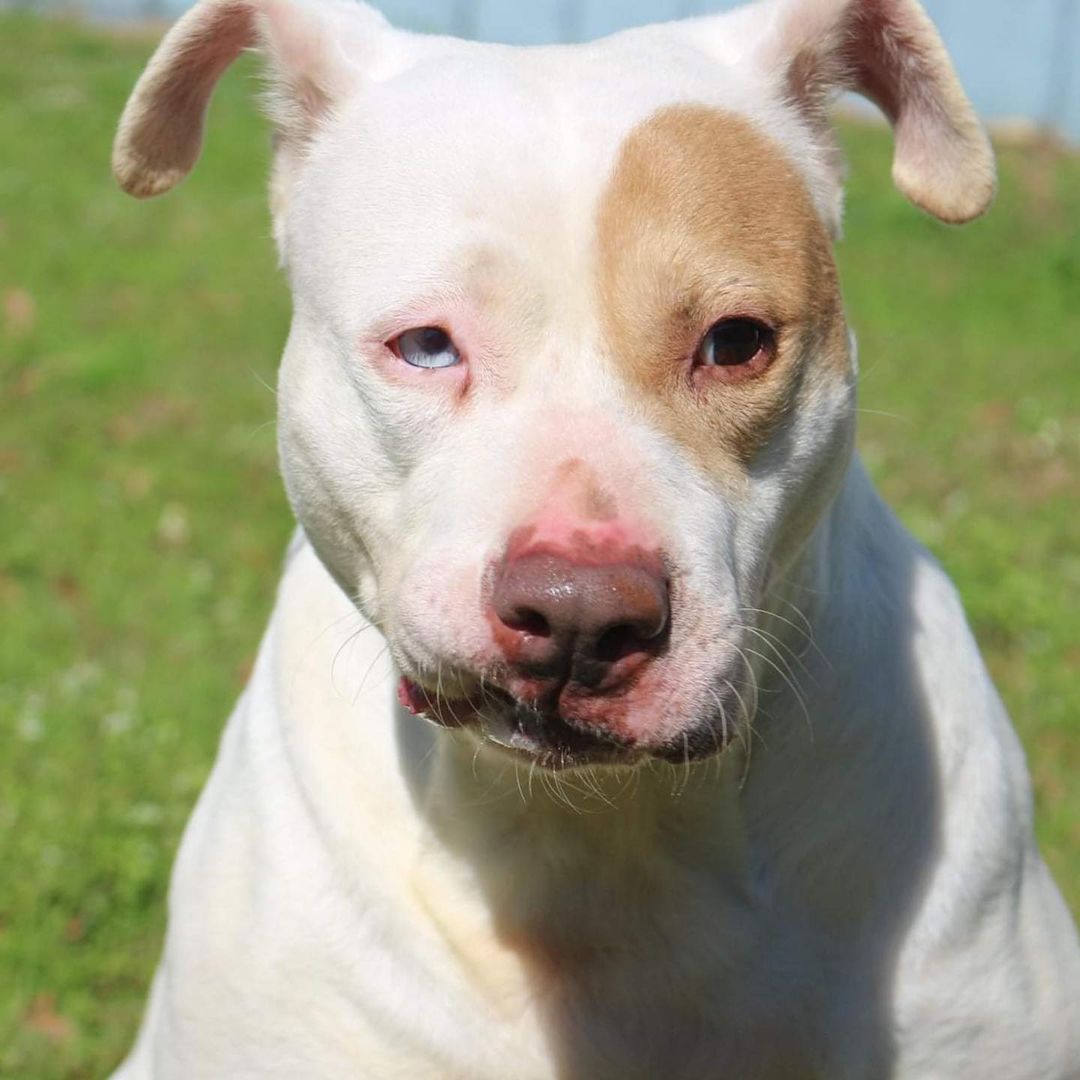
(143, 520)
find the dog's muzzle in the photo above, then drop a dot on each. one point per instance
(575, 632)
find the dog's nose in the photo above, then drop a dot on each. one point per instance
(562, 621)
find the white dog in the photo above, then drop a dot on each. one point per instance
(566, 412)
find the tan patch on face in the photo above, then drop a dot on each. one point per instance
(704, 220)
(599, 505)
(583, 492)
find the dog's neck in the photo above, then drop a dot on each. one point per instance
(536, 881)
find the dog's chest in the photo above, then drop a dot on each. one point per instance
(688, 982)
(641, 1016)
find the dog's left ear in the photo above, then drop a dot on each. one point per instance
(889, 52)
(316, 53)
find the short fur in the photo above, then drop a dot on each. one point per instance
(841, 881)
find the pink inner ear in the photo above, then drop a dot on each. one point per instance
(198, 65)
(301, 51)
(884, 58)
(161, 130)
(890, 52)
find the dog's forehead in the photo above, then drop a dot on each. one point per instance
(478, 149)
(603, 84)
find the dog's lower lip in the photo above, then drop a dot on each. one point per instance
(552, 742)
(411, 696)
(555, 745)
(431, 705)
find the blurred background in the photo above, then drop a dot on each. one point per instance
(142, 521)
(1019, 61)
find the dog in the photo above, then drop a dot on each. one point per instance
(608, 725)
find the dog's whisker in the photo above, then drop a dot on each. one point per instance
(258, 429)
(767, 642)
(477, 747)
(686, 765)
(585, 784)
(807, 624)
(781, 647)
(881, 412)
(517, 781)
(789, 682)
(566, 788)
(376, 660)
(804, 631)
(258, 377)
(722, 712)
(591, 781)
(752, 687)
(349, 640)
(438, 680)
(744, 730)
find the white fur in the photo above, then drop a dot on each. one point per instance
(852, 890)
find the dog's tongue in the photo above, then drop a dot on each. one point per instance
(412, 697)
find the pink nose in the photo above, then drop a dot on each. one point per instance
(563, 622)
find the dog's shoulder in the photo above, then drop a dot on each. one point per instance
(991, 957)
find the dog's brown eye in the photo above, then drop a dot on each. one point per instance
(426, 347)
(732, 343)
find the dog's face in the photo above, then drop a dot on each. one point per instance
(568, 382)
(563, 377)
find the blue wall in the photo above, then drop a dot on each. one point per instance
(1017, 58)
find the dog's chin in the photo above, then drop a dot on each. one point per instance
(550, 740)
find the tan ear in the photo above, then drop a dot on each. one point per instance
(890, 52)
(315, 51)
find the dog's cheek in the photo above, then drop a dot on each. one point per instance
(338, 475)
(796, 475)
(447, 515)
(433, 614)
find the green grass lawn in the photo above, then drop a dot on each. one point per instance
(143, 522)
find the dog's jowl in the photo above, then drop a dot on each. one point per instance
(667, 753)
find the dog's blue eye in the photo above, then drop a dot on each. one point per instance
(427, 347)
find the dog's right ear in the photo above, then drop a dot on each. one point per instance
(889, 52)
(317, 52)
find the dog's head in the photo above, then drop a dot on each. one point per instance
(568, 382)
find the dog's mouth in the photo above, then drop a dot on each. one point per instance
(523, 730)
(544, 736)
